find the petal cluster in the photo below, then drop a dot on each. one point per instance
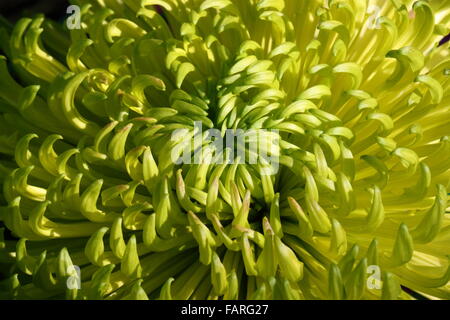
(349, 99)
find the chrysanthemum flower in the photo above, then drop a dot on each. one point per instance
(350, 97)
